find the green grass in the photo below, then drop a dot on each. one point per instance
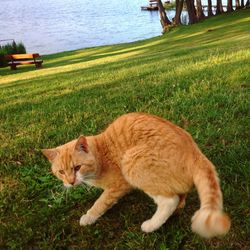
(196, 76)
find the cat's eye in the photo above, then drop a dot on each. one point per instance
(61, 172)
(77, 168)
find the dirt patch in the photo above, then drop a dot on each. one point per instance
(7, 183)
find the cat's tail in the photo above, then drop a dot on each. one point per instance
(210, 220)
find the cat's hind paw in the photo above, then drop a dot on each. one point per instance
(87, 219)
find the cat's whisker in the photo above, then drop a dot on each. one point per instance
(89, 176)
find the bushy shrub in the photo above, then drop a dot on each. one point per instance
(21, 49)
(10, 48)
(3, 62)
(169, 5)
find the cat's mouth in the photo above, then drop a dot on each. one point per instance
(76, 183)
(67, 185)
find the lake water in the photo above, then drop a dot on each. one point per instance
(49, 26)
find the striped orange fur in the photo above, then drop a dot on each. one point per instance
(149, 153)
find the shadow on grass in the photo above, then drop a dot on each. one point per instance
(42, 87)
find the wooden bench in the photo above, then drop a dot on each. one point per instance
(23, 59)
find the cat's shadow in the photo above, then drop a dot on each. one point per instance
(130, 212)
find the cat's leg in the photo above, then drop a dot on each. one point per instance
(144, 169)
(165, 208)
(107, 199)
(182, 202)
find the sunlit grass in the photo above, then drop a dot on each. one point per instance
(196, 76)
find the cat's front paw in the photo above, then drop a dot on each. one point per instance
(148, 226)
(87, 219)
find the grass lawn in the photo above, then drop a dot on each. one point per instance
(196, 76)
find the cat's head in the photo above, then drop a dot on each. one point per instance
(73, 162)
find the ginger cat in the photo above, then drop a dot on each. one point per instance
(149, 153)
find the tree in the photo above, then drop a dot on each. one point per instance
(179, 7)
(200, 14)
(219, 7)
(165, 22)
(237, 4)
(191, 11)
(209, 8)
(229, 5)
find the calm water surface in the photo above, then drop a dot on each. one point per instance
(49, 26)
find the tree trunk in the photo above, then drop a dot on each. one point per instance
(191, 11)
(229, 5)
(237, 4)
(200, 14)
(242, 4)
(209, 8)
(179, 7)
(247, 5)
(165, 22)
(219, 8)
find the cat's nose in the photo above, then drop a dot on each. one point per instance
(71, 180)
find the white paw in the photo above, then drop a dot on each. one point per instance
(87, 219)
(148, 227)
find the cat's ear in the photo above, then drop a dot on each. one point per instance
(81, 144)
(50, 154)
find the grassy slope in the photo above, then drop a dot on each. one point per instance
(196, 76)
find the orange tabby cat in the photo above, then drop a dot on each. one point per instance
(147, 152)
